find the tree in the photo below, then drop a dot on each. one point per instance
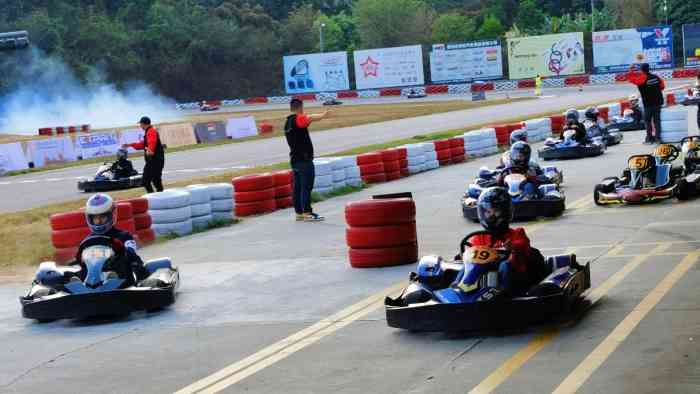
(530, 19)
(387, 23)
(453, 27)
(333, 36)
(298, 35)
(490, 29)
(632, 13)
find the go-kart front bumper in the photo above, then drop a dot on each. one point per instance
(635, 196)
(574, 152)
(522, 210)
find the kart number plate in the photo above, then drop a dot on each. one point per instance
(639, 163)
(483, 255)
(663, 151)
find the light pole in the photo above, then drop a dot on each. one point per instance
(320, 35)
(666, 11)
(592, 16)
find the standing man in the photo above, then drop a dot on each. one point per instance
(538, 85)
(154, 155)
(301, 154)
(651, 89)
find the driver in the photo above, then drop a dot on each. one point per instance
(519, 163)
(525, 265)
(517, 135)
(101, 218)
(122, 168)
(572, 123)
(637, 114)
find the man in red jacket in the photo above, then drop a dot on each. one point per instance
(651, 88)
(154, 155)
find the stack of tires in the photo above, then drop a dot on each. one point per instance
(170, 212)
(674, 124)
(254, 194)
(538, 129)
(431, 158)
(502, 134)
(558, 122)
(371, 167)
(680, 95)
(457, 150)
(381, 232)
(480, 143)
(222, 201)
(415, 158)
(283, 188)
(403, 161)
(604, 113)
(323, 180)
(353, 174)
(200, 205)
(125, 217)
(142, 221)
(67, 232)
(392, 164)
(340, 172)
(444, 152)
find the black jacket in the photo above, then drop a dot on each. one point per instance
(299, 141)
(122, 169)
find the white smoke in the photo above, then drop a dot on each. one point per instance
(49, 95)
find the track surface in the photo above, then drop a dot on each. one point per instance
(248, 288)
(33, 190)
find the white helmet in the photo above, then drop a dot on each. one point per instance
(633, 99)
(100, 205)
(628, 112)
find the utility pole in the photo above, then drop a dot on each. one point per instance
(320, 31)
(592, 16)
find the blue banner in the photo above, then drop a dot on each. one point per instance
(691, 45)
(615, 50)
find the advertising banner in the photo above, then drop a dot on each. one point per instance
(691, 45)
(466, 62)
(97, 145)
(210, 132)
(52, 151)
(550, 55)
(177, 135)
(615, 50)
(316, 72)
(389, 67)
(12, 158)
(241, 127)
(130, 137)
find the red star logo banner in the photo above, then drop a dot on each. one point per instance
(370, 67)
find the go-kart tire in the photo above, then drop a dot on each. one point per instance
(222, 216)
(389, 155)
(142, 221)
(220, 191)
(372, 169)
(284, 202)
(283, 178)
(69, 238)
(179, 229)
(369, 158)
(166, 216)
(374, 178)
(199, 194)
(405, 172)
(68, 220)
(597, 190)
(168, 199)
(283, 191)
(255, 196)
(255, 208)
(668, 114)
(380, 212)
(127, 225)
(201, 210)
(456, 142)
(338, 175)
(146, 236)
(392, 176)
(63, 256)
(138, 205)
(392, 166)
(444, 155)
(682, 190)
(224, 205)
(381, 236)
(383, 257)
(252, 183)
(124, 211)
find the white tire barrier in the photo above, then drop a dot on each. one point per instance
(354, 181)
(323, 167)
(432, 165)
(180, 229)
(430, 156)
(674, 126)
(173, 215)
(223, 205)
(339, 175)
(202, 222)
(222, 216)
(416, 160)
(674, 114)
(220, 191)
(201, 210)
(353, 172)
(323, 181)
(199, 194)
(323, 190)
(168, 199)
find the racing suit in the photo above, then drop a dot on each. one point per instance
(581, 136)
(126, 262)
(525, 265)
(122, 169)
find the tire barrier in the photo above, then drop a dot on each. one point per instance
(480, 143)
(258, 192)
(613, 110)
(670, 99)
(142, 221)
(674, 124)
(526, 84)
(283, 188)
(67, 232)
(125, 217)
(403, 162)
(558, 122)
(443, 151)
(457, 154)
(200, 206)
(392, 164)
(624, 104)
(538, 129)
(345, 172)
(420, 90)
(222, 201)
(431, 160)
(459, 89)
(415, 158)
(170, 212)
(502, 134)
(553, 82)
(347, 95)
(604, 113)
(371, 167)
(506, 85)
(381, 232)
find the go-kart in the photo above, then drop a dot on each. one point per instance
(609, 136)
(93, 289)
(568, 148)
(104, 181)
(553, 174)
(626, 123)
(206, 107)
(468, 294)
(690, 153)
(414, 95)
(529, 201)
(648, 178)
(332, 101)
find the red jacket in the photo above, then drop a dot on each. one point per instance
(519, 244)
(150, 139)
(639, 78)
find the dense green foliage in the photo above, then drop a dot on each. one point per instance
(191, 49)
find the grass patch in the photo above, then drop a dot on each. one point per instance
(318, 197)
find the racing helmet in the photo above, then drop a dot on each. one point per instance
(518, 135)
(495, 209)
(520, 154)
(571, 115)
(628, 113)
(100, 213)
(430, 270)
(591, 113)
(633, 99)
(122, 154)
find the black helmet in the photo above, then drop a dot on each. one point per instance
(520, 154)
(518, 135)
(495, 209)
(591, 113)
(122, 154)
(571, 115)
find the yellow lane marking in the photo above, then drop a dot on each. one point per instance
(512, 365)
(617, 250)
(627, 244)
(601, 353)
(288, 346)
(581, 202)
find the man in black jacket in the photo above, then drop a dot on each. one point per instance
(651, 88)
(301, 153)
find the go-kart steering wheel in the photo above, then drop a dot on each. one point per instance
(671, 156)
(465, 242)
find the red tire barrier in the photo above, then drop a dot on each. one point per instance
(389, 155)
(620, 77)
(284, 202)
(380, 212)
(381, 236)
(670, 99)
(68, 220)
(124, 211)
(405, 172)
(437, 89)
(502, 134)
(258, 195)
(577, 80)
(441, 144)
(255, 100)
(403, 153)
(624, 104)
(403, 163)
(444, 154)
(145, 236)
(526, 83)
(282, 178)
(383, 257)
(69, 238)
(372, 168)
(392, 166)
(251, 183)
(604, 113)
(306, 97)
(65, 255)
(283, 191)
(128, 225)
(255, 208)
(457, 154)
(369, 158)
(392, 176)
(482, 87)
(557, 123)
(511, 127)
(142, 221)
(374, 178)
(456, 142)
(390, 92)
(348, 94)
(138, 205)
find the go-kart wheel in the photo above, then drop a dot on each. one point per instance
(597, 192)
(682, 189)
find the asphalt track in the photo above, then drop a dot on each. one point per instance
(272, 306)
(38, 189)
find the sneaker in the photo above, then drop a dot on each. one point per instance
(300, 217)
(313, 217)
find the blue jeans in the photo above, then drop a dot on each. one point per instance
(304, 174)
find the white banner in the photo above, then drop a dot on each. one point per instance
(97, 145)
(316, 72)
(466, 62)
(388, 67)
(12, 158)
(51, 151)
(241, 127)
(615, 50)
(130, 137)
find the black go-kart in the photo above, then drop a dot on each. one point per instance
(568, 148)
(332, 101)
(105, 181)
(416, 95)
(610, 136)
(92, 289)
(467, 294)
